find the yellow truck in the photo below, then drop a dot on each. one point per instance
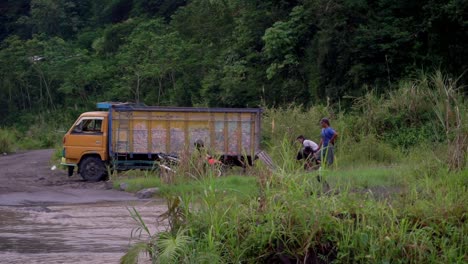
(129, 136)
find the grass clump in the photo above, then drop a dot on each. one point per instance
(367, 149)
(8, 141)
(291, 218)
(136, 181)
(367, 177)
(39, 130)
(233, 185)
(397, 192)
(241, 186)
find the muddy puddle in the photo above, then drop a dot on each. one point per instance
(76, 233)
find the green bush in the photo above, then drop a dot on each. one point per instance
(427, 160)
(367, 149)
(391, 196)
(292, 219)
(7, 141)
(56, 157)
(412, 114)
(292, 122)
(43, 130)
(40, 136)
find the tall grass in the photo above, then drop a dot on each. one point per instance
(45, 131)
(40, 130)
(392, 196)
(293, 121)
(452, 115)
(292, 219)
(8, 141)
(423, 225)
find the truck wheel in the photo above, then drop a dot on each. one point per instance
(70, 170)
(92, 169)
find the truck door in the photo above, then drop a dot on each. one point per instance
(87, 136)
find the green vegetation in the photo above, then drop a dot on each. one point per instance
(383, 201)
(397, 191)
(368, 215)
(233, 185)
(135, 181)
(63, 56)
(7, 141)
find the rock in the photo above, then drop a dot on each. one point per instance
(62, 216)
(41, 209)
(123, 186)
(147, 193)
(108, 185)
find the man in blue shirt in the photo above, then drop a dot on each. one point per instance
(327, 142)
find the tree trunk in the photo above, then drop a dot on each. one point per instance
(137, 90)
(160, 89)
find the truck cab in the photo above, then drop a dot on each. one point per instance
(85, 146)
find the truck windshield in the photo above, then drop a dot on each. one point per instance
(88, 126)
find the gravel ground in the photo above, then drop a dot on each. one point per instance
(47, 217)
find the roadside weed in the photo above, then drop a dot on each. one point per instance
(7, 141)
(397, 192)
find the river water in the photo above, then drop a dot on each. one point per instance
(73, 233)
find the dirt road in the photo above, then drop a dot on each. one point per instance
(47, 217)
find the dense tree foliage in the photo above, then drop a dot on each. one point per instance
(70, 53)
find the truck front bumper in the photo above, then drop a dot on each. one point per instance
(65, 163)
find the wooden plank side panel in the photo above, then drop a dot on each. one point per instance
(158, 136)
(247, 136)
(121, 142)
(140, 136)
(177, 136)
(149, 146)
(230, 133)
(198, 130)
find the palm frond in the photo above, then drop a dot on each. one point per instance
(141, 224)
(131, 257)
(172, 247)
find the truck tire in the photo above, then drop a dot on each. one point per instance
(92, 169)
